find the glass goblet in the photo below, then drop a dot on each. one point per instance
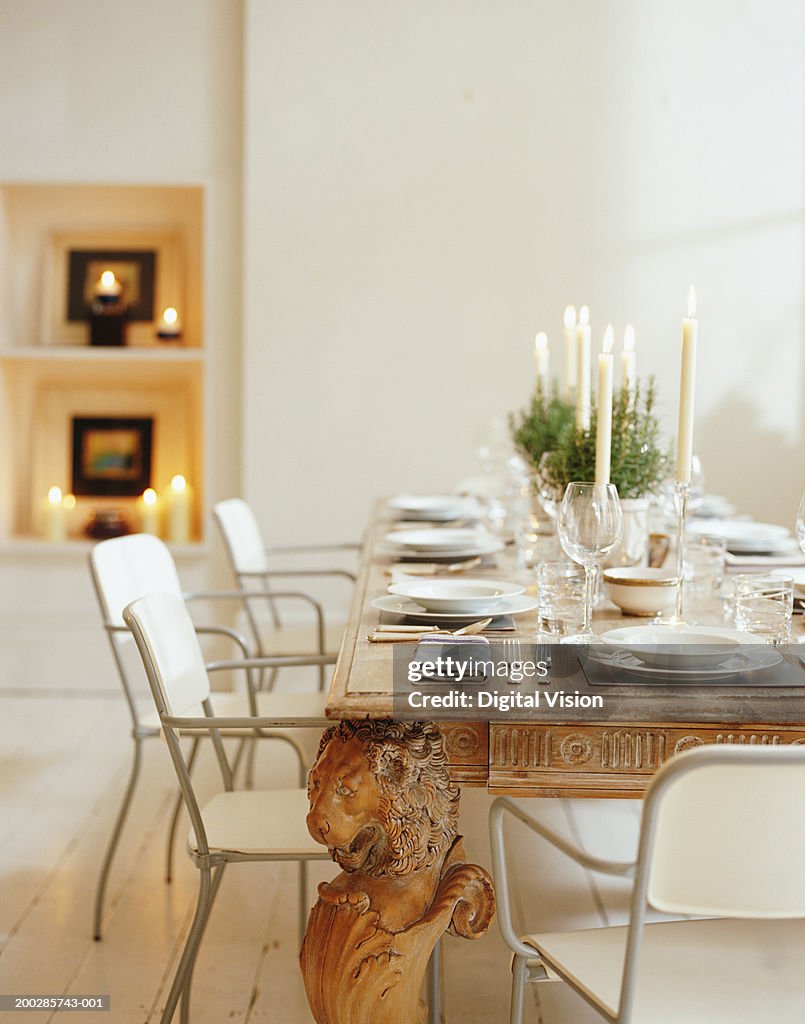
(590, 525)
(800, 524)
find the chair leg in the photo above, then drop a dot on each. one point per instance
(519, 971)
(114, 839)
(435, 1007)
(216, 882)
(177, 807)
(304, 909)
(251, 755)
(191, 944)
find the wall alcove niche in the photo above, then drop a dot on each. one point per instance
(49, 371)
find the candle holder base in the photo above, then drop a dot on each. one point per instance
(107, 325)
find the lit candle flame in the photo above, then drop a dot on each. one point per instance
(541, 341)
(54, 495)
(107, 278)
(570, 316)
(178, 483)
(609, 339)
(628, 339)
(150, 495)
(170, 316)
(691, 303)
(584, 315)
(69, 502)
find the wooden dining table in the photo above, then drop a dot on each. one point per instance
(570, 751)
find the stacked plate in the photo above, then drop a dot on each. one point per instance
(436, 508)
(443, 542)
(473, 597)
(744, 538)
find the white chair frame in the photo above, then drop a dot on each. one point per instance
(528, 965)
(210, 862)
(119, 634)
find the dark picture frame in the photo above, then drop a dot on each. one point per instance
(135, 269)
(111, 455)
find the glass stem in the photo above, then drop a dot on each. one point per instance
(682, 492)
(589, 584)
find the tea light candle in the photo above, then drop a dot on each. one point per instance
(55, 516)
(628, 360)
(179, 511)
(687, 393)
(149, 512)
(569, 337)
(169, 326)
(603, 435)
(108, 288)
(583, 370)
(542, 356)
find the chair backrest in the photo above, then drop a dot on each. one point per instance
(724, 833)
(125, 568)
(242, 537)
(169, 646)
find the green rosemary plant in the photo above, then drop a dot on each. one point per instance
(537, 428)
(638, 463)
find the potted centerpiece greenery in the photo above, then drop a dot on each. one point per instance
(562, 452)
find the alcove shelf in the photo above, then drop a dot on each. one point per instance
(49, 373)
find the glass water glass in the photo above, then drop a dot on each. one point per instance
(590, 526)
(704, 562)
(560, 593)
(764, 604)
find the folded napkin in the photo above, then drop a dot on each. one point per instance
(748, 563)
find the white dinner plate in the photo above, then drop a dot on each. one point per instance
(441, 539)
(460, 595)
(487, 547)
(437, 507)
(678, 647)
(404, 606)
(743, 538)
(761, 657)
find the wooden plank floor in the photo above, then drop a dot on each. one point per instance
(64, 758)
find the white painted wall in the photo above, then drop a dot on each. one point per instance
(428, 184)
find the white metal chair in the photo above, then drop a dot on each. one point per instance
(126, 568)
(723, 836)
(251, 825)
(249, 559)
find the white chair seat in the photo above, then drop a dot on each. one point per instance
(690, 972)
(265, 822)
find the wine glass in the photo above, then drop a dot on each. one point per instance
(800, 526)
(590, 526)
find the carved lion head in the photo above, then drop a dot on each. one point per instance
(381, 799)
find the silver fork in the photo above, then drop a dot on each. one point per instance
(511, 651)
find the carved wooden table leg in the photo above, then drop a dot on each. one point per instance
(382, 802)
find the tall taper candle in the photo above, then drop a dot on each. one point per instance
(569, 336)
(179, 511)
(55, 517)
(542, 357)
(628, 360)
(687, 392)
(583, 370)
(603, 434)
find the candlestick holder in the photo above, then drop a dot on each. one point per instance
(681, 495)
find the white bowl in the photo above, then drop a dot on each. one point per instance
(679, 646)
(468, 595)
(638, 590)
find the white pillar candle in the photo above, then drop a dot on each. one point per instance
(55, 516)
(179, 511)
(542, 356)
(687, 392)
(583, 370)
(108, 287)
(603, 435)
(149, 512)
(569, 337)
(628, 360)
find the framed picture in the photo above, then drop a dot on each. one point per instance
(134, 270)
(146, 263)
(111, 456)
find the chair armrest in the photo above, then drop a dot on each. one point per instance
(298, 549)
(273, 661)
(309, 572)
(245, 722)
(499, 808)
(236, 637)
